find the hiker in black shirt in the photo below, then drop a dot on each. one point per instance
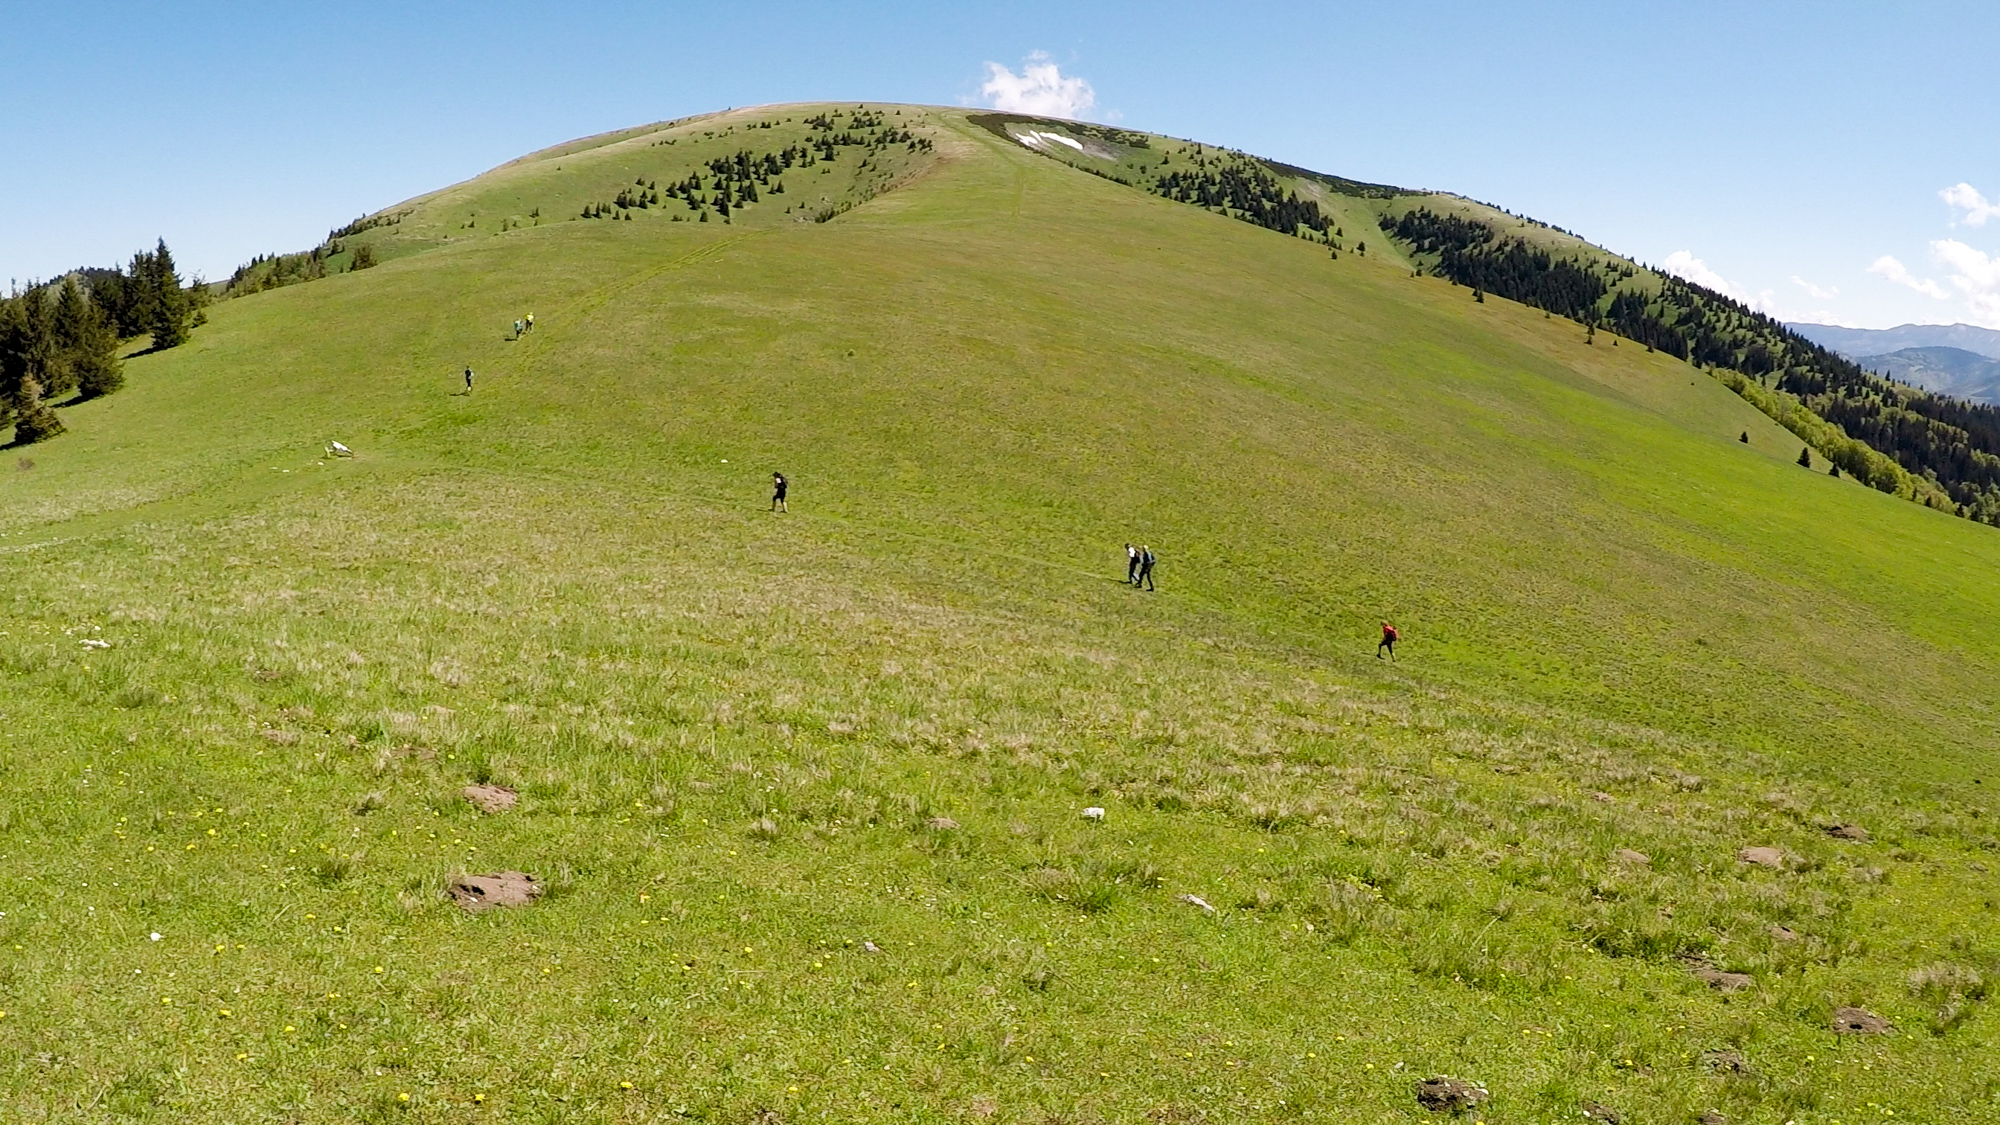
(1146, 568)
(778, 493)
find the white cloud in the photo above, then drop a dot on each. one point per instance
(1687, 267)
(1888, 267)
(1976, 275)
(1815, 291)
(1040, 89)
(1964, 197)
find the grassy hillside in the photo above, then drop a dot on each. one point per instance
(804, 790)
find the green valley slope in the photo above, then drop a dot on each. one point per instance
(746, 743)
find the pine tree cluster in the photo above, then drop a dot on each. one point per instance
(1469, 254)
(1242, 187)
(149, 297)
(55, 340)
(1949, 445)
(746, 177)
(275, 271)
(368, 223)
(61, 338)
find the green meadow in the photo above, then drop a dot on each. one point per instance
(804, 791)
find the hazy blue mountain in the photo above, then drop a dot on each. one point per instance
(1953, 371)
(1857, 342)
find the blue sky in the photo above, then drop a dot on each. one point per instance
(1795, 152)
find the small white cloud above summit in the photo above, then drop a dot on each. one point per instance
(1975, 207)
(1684, 265)
(1889, 268)
(1817, 293)
(1041, 89)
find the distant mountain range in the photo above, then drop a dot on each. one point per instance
(1952, 371)
(1953, 359)
(1857, 342)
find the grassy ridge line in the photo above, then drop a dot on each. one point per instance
(1132, 159)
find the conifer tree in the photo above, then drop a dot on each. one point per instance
(172, 308)
(33, 420)
(87, 344)
(25, 345)
(1805, 457)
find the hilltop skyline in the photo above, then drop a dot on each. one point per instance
(1816, 168)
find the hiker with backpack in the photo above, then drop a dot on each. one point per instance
(1388, 642)
(1146, 561)
(778, 485)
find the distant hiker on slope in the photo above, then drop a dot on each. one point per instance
(1146, 561)
(1131, 565)
(1388, 642)
(778, 483)
(531, 322)
(468, 380)
(517, 330)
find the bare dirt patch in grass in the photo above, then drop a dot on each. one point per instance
(490, 798)
(1722, 981)
(1449, 1095)
(1859, 1021)
(476, 893)
(1773, 858)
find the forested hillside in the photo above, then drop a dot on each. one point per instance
(1948, 449)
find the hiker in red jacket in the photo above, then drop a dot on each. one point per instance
(1388, 643)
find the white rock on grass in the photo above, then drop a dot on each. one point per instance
(1197, 900)
(1093, 813)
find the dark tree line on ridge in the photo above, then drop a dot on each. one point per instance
(275, 271)
(60, 339)
(1245, 189)
(1952, 444)
(746, 177)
